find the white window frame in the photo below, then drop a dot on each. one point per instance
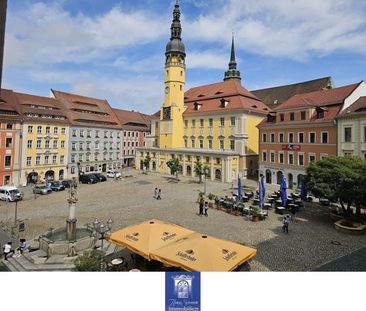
(310, 139)
(288, 158)
(264, 152)
(264, 135)
(270, 137)
(279, 138)
(288, 137)
(283, 157)
(303, 158)
(29, 161)
(321, 137)
(311, 154)
(272, 152)
(323, 155)
(298, 137)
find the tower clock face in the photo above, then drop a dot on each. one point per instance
(166, 113)
(167, 90)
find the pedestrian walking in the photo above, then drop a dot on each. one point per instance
(8, 250)
(206, 208)
(158, 197)
(155, 193)
(286, 221)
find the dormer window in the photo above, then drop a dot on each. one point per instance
(319, 113)
(223, 102)
(197, 106)
(271, 117)
(201, 95)
(218, 92)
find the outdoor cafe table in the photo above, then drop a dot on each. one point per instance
(295, 195)
(256, 202)
(245, 198)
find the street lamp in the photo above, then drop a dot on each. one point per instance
(15, 198)
(102, 229)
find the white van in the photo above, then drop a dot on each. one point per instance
(10, 193)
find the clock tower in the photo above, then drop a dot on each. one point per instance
(171, 114)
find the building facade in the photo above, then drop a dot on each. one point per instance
(135, 126)
(352, 129)
(10, 139)
(94, 139)
(214, 124)
(301, 130)
(45, 133)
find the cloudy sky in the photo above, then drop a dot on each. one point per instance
(114, 49)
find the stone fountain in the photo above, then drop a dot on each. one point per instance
(69, 240)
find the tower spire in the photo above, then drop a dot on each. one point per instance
(175, 45)
(232, 73)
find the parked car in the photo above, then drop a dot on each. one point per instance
(100, 176)
(56, 186)
(42, 189)
(113, 174)
(67, 183)
(10, 193)
(88, 179)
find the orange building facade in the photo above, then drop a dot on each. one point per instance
(301, 130)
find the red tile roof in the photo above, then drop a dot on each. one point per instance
(8, 105)
(210, 96)
(274, 96)
(133, 120)
(88, 111)
(319, 98)
(47, 109)
(330, 101)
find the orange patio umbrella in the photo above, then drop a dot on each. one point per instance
(198, 252)
(147, 236)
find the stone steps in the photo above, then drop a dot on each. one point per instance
(24, 263)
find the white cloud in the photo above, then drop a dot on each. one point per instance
(286, 28)
(209, 59)
(46, 34)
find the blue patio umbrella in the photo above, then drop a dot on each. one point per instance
(283, 193)
(240, 190)
(262, 192)
(304, 192)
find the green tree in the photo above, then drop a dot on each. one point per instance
(175, 166)
(89, 261)
(146, 162)
(200, 169)
(339, 179)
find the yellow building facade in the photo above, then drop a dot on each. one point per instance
(214, 124)
(45, 133)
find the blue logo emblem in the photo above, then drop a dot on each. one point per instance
(182, 291)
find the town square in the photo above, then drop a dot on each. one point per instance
(182, 138)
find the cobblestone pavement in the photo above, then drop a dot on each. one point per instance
(312, 240)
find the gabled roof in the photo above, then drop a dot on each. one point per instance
(324, 97)
(88, 111)
(39, 108)
(209, 98)
(274, 96)
(358, 107)
(133, 120)
(8, 105)
(330, 101)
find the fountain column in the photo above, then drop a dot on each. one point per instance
(71, 221)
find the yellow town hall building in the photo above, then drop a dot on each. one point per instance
(214, 124)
